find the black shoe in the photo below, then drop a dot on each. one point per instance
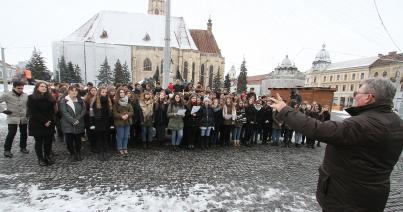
(50, 160)
(297, 145)
(8, 154)
(42, 163)
(73, 158)
(79, 158)
(25, 151)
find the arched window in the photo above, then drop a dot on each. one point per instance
(156, 12)
(210, 76)
(314, 80)
(384, 74)
(193, 72)
(376, 74)
(185, 71)
(202, 74)
(147, 65)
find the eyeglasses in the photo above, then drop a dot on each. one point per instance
(356, 93)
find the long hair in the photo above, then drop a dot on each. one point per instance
(89, 96)
(190, 104)
(47, 95)
(173, 101)
(98, 98)
(117, 94)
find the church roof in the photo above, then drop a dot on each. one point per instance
(137, 29)
(362, 62)
(205, 41)
(323, 55)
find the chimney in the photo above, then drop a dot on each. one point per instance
(392, 53)
(209, 26)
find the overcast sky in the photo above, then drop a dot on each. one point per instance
(262, 31)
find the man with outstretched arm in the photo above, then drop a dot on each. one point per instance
(361, 152)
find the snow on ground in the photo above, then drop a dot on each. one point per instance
(229, 197)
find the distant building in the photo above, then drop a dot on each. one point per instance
(346, 76)
(285, 75)
(138, 40)
(10, 71)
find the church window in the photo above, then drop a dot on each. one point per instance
(376, 74)
(202, 74)
(210, 76)
(384, 74)
(193, 72)
(147, 65)
(314, 80)
(185, 71)
(104, 34)
(156, 12)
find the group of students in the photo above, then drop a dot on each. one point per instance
(112, 118)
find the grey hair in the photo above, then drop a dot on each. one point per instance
(382, 88)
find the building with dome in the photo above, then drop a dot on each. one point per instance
(345, 76)
(138, 40)
(285, 75)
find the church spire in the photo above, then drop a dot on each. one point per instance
(209, 25)
(156, 7)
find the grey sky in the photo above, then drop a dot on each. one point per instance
(262, 31)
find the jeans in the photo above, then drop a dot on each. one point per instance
(12, 130)
(276, 135)
(205, 131)
(147, 134)
(236, 133)
(177, 137)
(122, 137)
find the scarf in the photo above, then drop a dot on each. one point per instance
(124, 101)
(70, 103)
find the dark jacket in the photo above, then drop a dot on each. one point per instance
(190, 120)
(266, 114)
(240, 117)
(218, 118)
(325, 116)
(101, 118)
(206, 117)
(40, 110)
(359, 157)
(251, 114)
(178, 88)
(160, 115)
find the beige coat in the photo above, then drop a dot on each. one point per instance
(17, 105)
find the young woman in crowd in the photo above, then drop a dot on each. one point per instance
(314, 113)
(147, 119)
(239, 122)
(73, 111)
(176, 115)
(41, 112)
(251, 114)
(206, 123)
(100, 121)
(229, 115)
(112, 130)
(122, 113)
(324, 115)
(88, 100)
(276, 130)
(218, 120)
(267, 115)
(160, 116)
(191, 121)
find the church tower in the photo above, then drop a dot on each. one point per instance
(156, 7)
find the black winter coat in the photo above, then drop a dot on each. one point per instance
(361, 153)
(251, 114)
(40, 111)
(102, 117)
(267, 114)
(190, 120)
(206, 117)
(218, 118)
(160, 115)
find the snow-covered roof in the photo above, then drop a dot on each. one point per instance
(136, 29)
(362, 62)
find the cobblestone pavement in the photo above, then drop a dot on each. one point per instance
(261, 178)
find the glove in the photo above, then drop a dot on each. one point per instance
(92, 128)
(112, 127)
(76, 123)
(7, 112)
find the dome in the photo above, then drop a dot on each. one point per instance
(323, 55)
(286, 62)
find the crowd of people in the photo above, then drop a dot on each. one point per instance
(112, 118)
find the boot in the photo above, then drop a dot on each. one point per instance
(42, 162)
(73, 158)
(79, 158)
(8, 154)
(49, 160)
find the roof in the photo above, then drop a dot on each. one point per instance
(391, 58)
(257, 79)
(362, 62)
(205, 41)
(137, 29)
